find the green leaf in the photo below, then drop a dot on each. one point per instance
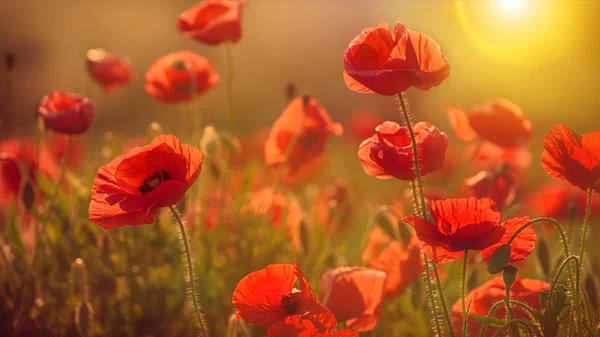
(487, 320)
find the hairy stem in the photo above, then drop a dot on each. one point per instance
(464, 293)
(584, 230)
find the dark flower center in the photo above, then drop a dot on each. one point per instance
(308, 140)
(153, 180)
(291, 303)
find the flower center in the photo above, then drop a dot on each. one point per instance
(291, 303)
(153, 180)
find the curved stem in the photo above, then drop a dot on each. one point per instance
(501, 303)
(464, 293)
(516, 322)
(584, 230)
(438, 329)
(230, 102)
(190, 271)
(560, 269)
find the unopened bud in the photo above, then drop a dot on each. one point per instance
(499, 259)
(210, 143)
(84, 318)
(153, 130)
(231, 143)
(10, 60)
(80, 278)
(509, 276)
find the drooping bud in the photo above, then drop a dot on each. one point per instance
(210, 142)
(499, 259)
(84, 318)
(509, 276)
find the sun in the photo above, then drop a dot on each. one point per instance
(512, 7)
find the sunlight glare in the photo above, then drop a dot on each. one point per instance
(512, 7)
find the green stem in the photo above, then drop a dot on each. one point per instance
(515, 322)
(499, 304)
(228, 50)
(560, 269)
(190, 271)
(438, 329)
(420, 200)
(61, 176)
(464, 293)
(584, 230)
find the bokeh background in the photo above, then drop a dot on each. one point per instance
(542, 55)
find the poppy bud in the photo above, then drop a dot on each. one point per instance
(499, 259)
(84, 318)
(389, 152)
(509, 276)
(385, 223)
(10, 59)
(210, 142)
(110, 71)
(231, 143)
(67, 113)
(80, 278)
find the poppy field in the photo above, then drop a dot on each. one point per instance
(308, 222)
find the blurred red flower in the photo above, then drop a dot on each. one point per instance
(403, 265)
(573, 157)
(560, 200)
(132, 187)
(485, 296)
(362, 124)
(306, 119)
(57, 145)
(67, 113)
(332, 207)
(498, 121)
(387, 63)
(473, 224)
(498, 186)
(212, 209)
(489, 157)
(267, 296)
(388, 154)
(212, 21)
(110, 71)
(354, 295)
(170, 78)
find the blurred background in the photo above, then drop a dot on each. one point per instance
(542, 55)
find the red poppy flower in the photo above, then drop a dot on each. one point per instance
(354, 295)
(305, 118)
(332, 207)
(267, 296)
(473, 224)
(212, 21)
(296, 326)
(170, 78)
(387, 63)
(57, 145)
(560, 200)
(490, 157)
(498, 121)
(131, 188)
(573, 157)
(110, 71)
(67, 113)
(403, 264)
(498, 186)
(388, 154)
(485, 296)
(212, 209)
(361, 125)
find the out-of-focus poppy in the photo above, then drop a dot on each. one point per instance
(67, 113)
(267, 296)
(499, 186)
(333, 208)
(296, 326)
(498, 121)
(388, 154)
(489, 157)
(559, 200)
(403, 264)
(110, 71)
(573, 157)
(178, 76)
(212, 209)
(57, 145)
(387, 63)
(354, 295)
(212, 21)
(485, 296)
(469, 224)
(132, 187)
(306, 119)
(361, 125)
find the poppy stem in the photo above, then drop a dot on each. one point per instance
(438, 328)
(419, 196)
(61, 174)
(190, 271)
(584, 231)
(464, 293)
(228, 50)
